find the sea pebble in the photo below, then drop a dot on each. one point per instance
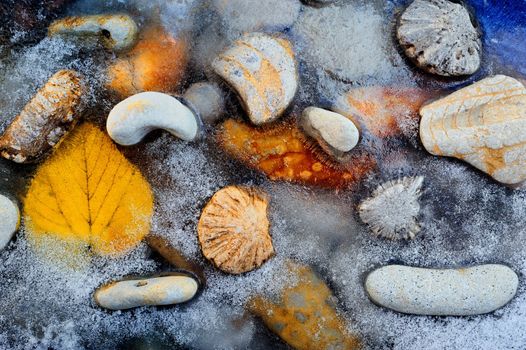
(335, 134)
(174, 288)
(117, 31)
(442, 292)
(393, 208)
(9, 220)
(483, 124)
(207, 99)
(319, 3)
(131, 119)
(241, 16)
(439, 36)
(45, 120)
(233, 229)
(304, 315)
(262, 70)
(156, 63)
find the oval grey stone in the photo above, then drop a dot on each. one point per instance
(440, 292)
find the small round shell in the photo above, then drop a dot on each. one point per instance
(234, 230)
(262, 69)
(393, 208)
(440, 38)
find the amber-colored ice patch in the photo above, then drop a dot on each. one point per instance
(282, 154)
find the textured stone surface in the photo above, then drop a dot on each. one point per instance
(116, 32)
(305, 316)
(483, 124)
(9, 220)
(335, 134)
(165, 290)
(45, 120)
(440, 38)
(130, 120)
(458, 292)
(262, 70)
(393, 209)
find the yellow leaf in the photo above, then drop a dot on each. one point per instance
(88, 195)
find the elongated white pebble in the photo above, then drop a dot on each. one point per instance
(440, 292)
(127, 294)
(9, 220)
(131, 119)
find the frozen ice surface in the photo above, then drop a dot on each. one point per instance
(466, 217)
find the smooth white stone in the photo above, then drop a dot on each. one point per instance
(117, 32)
(207, 99)
(128, 294)
(331, 128)
(9, 220)
(131, 119)
(442, 292)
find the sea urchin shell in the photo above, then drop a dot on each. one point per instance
(233, 229)
(392, 210)
(440, 38)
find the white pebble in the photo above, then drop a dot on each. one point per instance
(130, 120)
(9, 220)
(442, 292)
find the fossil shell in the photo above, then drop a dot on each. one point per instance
(45, 120)
(335, 134)
(393, 208)
(131, 119)
(234, 229)
(117, 32)
(262, 70)
(483, 124)
(9, 220)
(169, 289)
(440, 38)
(442, 292)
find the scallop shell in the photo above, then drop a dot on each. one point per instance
(393, 208)
(45, 120)
(483, 124)
(262, 70)
(440, 38)
(234, 230)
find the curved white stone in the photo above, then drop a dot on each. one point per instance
(454, 292)
(117, 32)
(9, 220)
(262, 69)
(483, 124)
(128, 294)
(131, 119)
(334, 132)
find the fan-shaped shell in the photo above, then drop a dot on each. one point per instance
(234, 229)
(393, 208)
(483, 124)
(262, 70)
(439, 36)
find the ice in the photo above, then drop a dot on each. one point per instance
(466, 217)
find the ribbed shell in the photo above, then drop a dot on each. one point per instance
(50, 114)
(393, 208)
(262, 70)
(439, 37)
(234, 229)
(483, 124)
